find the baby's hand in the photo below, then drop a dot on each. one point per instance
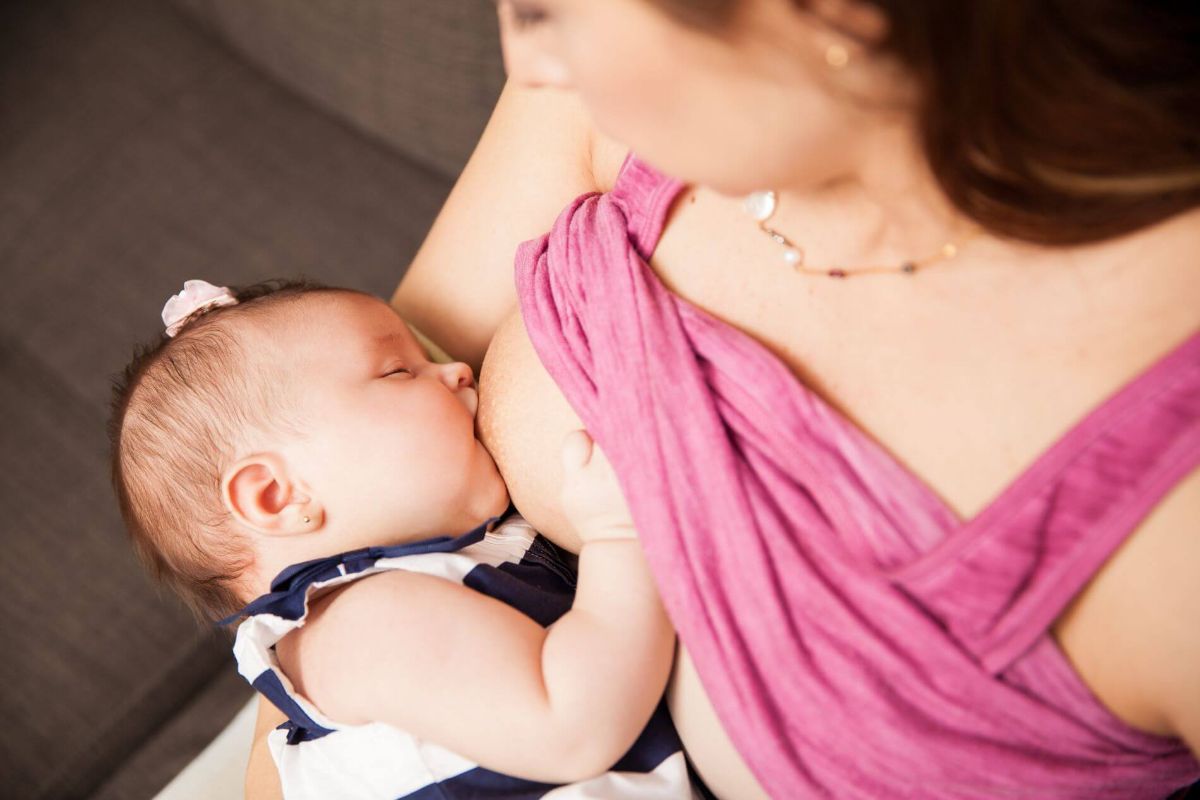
(591, 496)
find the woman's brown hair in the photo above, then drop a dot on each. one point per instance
(1059, 122)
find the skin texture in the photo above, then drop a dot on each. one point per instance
(965, 373)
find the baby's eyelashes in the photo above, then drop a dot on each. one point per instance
(399, 371)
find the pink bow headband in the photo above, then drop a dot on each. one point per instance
(196, 296)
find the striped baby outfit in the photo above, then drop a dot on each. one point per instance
(318, 757)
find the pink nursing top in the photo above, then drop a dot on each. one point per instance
(854, 636)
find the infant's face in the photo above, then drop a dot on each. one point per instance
(388, 445)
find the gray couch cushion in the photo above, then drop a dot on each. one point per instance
(151, 156)
(422, 76)
(94, 659)
(172, 747)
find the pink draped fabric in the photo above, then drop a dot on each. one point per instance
(855, 638)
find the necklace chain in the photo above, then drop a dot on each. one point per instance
(761, 206)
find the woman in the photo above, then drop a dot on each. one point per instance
(983, 227)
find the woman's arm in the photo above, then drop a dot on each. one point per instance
(537, 154)
(262, 779)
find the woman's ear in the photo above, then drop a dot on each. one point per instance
(261, 493)
(864, 22)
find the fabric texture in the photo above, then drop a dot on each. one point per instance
(319, 758)
(855, 637)
(422, 77)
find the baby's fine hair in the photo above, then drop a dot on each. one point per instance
(180, 411)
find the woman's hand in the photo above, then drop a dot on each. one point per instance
(591, 495)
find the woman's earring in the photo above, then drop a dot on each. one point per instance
(837, 56)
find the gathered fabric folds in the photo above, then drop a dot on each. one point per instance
(855, 638)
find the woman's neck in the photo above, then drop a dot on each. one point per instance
(885, 206)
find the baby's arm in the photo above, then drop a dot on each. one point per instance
(456, 667)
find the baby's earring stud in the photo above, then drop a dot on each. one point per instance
(307, 519)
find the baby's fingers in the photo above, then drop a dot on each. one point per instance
(591, 494)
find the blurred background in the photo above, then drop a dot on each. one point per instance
(144, 142)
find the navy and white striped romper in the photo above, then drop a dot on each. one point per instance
(319, 758)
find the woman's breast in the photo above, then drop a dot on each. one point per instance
(522, 420)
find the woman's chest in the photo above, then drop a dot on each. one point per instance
(522, 420)
(964, 382)
(963, 385)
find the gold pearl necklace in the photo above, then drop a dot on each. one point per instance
(761, 206)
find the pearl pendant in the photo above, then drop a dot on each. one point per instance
(760, 205)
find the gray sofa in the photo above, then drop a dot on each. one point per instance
(143, 143)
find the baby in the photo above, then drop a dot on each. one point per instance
(300, 432)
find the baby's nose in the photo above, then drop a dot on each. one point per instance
(457, 375)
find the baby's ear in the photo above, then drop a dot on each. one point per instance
(261, 494)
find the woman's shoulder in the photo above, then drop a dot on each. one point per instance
(1132, 634)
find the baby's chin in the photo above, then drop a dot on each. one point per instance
(469, 398)
(493, 490)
